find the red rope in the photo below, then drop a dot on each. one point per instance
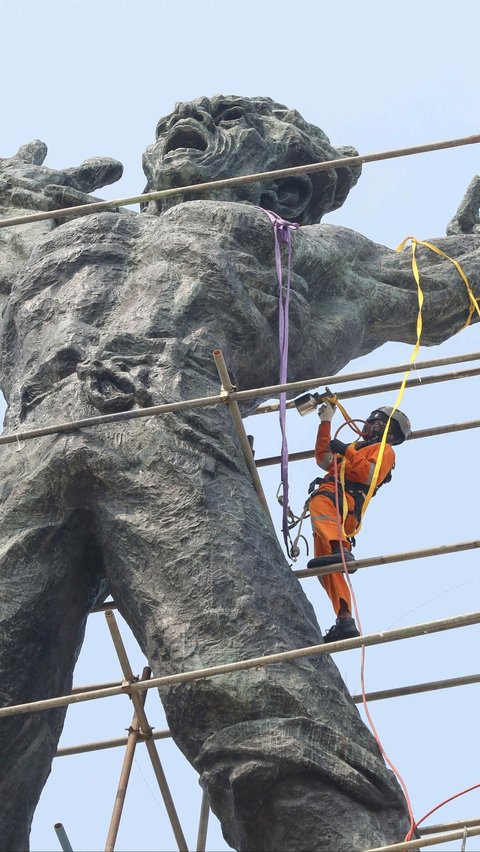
(436, 808)
(392, 766)
(413, 824)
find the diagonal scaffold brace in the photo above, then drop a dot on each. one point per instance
(146, 730)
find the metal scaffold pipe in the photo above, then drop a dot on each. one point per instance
(465, 620)
(240, 180)
(62, 837)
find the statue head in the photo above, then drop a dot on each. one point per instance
(213, 138)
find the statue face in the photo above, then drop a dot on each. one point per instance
(210, 139)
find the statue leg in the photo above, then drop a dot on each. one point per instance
(197, 572)
(48, 583)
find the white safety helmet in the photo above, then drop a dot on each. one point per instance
(402, 424)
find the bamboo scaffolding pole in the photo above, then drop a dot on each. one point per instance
(449, 826)
(104, 606)
(146, 730)
(227, 389)
(428, 841)
(115, 417)
(346, 378)
(62, 837)
(410, 632)
(431, 432)
(368, 562)
(203, 824)
(417, 688)
(240, 180)
(217, 399)
(90, 686)
(99, 745)
(125, 771)
(414, 382)
(395, 692)
(404, 556)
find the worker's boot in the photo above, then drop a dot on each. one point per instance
(333, 559)
(347, 556)
(344, 628)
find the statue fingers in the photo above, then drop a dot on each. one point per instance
(467, 219)
(32, 152)
(21, 193)
(93, 174)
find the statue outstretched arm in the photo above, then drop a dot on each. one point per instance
(26, 185)
(362, 295)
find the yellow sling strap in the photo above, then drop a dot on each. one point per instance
(473, 306)
(473, 302)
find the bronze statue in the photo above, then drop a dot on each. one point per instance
(117, 310)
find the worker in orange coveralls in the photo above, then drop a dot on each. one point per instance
(360, 461)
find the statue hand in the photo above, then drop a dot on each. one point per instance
(466, 219)
(25, 183)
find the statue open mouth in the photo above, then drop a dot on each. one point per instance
(185, 137)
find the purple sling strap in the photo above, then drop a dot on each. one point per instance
(283, 235)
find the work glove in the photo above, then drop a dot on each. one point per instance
(337, 446)
(326, 412)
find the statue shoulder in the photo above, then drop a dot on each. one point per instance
(214, 215)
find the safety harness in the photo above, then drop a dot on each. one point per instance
(357, 490)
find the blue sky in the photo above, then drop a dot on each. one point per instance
(92, 78)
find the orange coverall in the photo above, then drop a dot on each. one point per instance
(359, 467)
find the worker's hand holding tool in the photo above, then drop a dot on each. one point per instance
(326, 412)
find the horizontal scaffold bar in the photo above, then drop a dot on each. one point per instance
(403, 556)
(225, 398)
(240, 180)
(116, 742)
(415, 382)
(396, 692)
(417, 688)
(449, 826)
(410, 632)
(431, 432)
(429, 841)
(344, 378)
